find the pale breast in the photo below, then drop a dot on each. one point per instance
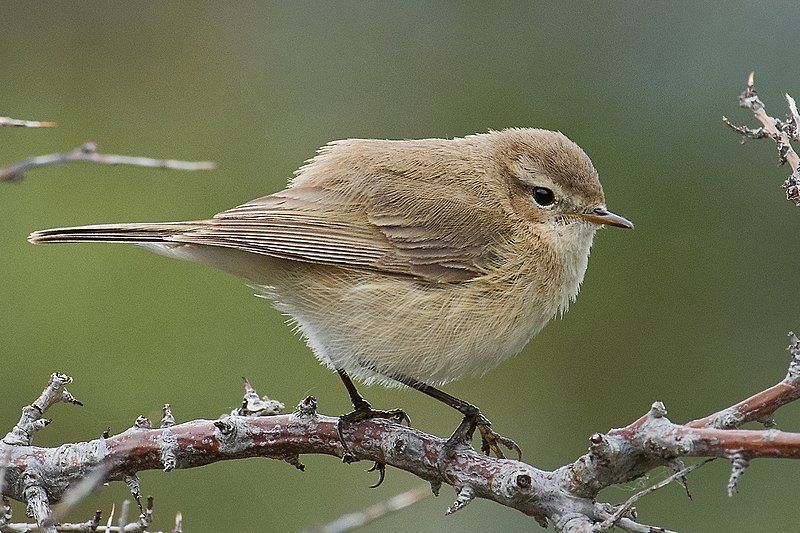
(376, 326)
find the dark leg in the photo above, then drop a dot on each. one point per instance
(357, 400)
(362, 410)
(472, 418)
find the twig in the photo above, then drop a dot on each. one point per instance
(93, 524)
(351, 521)
(88, 154)
(31, 420)
(761, 406)
(627, 507)
(17, 123)
(178, 523)
(782, 132)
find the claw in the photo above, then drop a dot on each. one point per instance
(490, 441)
(381, 468)
(363, 411)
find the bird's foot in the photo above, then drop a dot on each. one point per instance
(490, 441)
(364, 411)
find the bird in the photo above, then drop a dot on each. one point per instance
(407, 262)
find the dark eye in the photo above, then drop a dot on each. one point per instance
(544, 197)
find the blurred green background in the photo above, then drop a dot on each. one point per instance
(691, 308)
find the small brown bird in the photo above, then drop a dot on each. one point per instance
(408, 262)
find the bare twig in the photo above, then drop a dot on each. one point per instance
(178, 523)
(31, 420)
(782, 132)
(17, 123)
(88, 154)
(627, 507)
(351, 521)
(93, 524)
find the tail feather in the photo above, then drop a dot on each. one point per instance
(133, 233)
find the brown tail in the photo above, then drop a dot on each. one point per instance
(133, 233)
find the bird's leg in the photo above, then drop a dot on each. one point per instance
(362, 410)
(473, 418)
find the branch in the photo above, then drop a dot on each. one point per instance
(760, 407)
(88, 154)
(17, 123)
(782, 132)
(567, 495)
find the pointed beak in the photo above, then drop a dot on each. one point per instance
(605, 217)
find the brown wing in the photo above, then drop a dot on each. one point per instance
(390, 226)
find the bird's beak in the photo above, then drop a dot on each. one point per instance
(606, 217)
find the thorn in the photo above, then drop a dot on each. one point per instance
(147, 515)
(106, 433)
(465, 495)
(167, 420)
(738, 465)
(307, 407)
(67, 397)
(6, 509)
(436, 486)
(598, 445)
(41, 423)
(178, 523)
(794, 351)
(751, 80)
(252, 405)
(142, 422)
(294, 460)
(89, 147)
(657, 410)
(135, 487)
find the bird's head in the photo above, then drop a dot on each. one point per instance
(552, 181)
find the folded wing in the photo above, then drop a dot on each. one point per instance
(389, 226)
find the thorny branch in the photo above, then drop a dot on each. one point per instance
(565, 496)
(88, 153)
(780, 131)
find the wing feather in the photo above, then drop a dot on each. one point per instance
(396, 228)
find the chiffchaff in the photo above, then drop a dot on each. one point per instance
(408, 262)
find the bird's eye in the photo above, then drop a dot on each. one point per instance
(543, 196)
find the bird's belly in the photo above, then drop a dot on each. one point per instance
(375, 327)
